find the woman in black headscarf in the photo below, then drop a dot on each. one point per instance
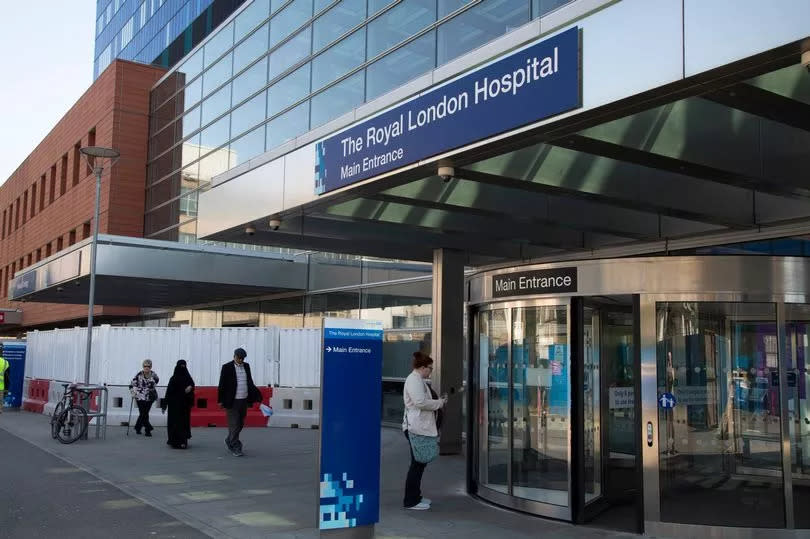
(179, 399)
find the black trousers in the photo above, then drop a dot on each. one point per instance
(236, 421)
(413, 482)
(143, 416)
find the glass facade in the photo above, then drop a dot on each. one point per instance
(280, 68)
(154, 31)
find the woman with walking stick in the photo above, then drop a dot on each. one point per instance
(144, 390)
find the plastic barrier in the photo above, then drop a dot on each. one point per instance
(296, 407)
(36, 396)
(206, 412)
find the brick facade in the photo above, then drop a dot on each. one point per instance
(47, 203)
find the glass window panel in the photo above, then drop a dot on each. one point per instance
(251, 17)
(591, 389)
(218, 44)
(216, 104)
(798, 386)
(283, 312)
(214, 164)
(163, 140)
(542, 7)
(493, 358)
(478, 25)
(337, 21)
(402, 65)
(192, 93)
(163, 191)
(247, 147)
(275, 5)
(215, 135)
(188, 206)
(541, 403)
(290, 53)
(399, 23)
(338, 99)
(163, 217)
(217, 75)
(250, 81)
(288, 90)
(190, 150)
(251, 48)
(289, 125)
(448, 6)
(719, 438)
(376, 5)
(339, 59)
(289, 19)
(249, 114)
(333, 305)
(190, 122)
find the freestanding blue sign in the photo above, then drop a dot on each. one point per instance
(526, 86)
(351, 393)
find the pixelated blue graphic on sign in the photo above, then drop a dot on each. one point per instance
(526, 86)
(351, 392)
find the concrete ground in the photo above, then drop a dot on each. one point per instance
(271, 492)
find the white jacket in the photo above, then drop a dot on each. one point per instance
(420, 408)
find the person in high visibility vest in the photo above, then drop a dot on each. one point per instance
(4, 367)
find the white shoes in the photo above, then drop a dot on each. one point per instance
(427, 501)
(421, 506)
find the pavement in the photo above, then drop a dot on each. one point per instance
(133, 486)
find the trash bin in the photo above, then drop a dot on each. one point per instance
(14, 353)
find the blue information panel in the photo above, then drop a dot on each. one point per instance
(527, 86)
(351, 393)
(14, 353)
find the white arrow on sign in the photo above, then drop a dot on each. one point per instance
(328, 348)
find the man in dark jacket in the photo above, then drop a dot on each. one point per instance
(236, 393)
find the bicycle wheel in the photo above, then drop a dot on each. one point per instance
(71, 425)
(60, 407)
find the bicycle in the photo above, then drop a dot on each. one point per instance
(69, 420)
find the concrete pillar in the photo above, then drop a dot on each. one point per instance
(448, 342)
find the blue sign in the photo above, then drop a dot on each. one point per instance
(14, 353)
(351, 393)
(527, 86)
(667, 400)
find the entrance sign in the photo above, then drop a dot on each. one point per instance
(535, 83)
(351, 392)
(547, 281)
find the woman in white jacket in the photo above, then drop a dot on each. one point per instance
(420, 418)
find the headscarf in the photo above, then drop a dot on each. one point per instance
(181, 375)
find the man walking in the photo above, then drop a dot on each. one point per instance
(235, 393)
(4, 378)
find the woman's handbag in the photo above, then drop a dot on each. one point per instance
(425, 448)
(153, 395)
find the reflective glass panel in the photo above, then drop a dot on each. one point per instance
(797, 365)
(591, 429)
(334, 305)
(376, 5)
(338, 99)
(289, 125)
(288, 90)
(247, 147)
(339, 59)
(541, 404)
(192, 93)
(213, 164)
(399, 23)
(215, 135)
(289, 20)
(493, 358)
(190, 150)
(216, 104)
(402, 65)
(542, 7)
(337, 21)
(719, 432)
(448, 6)
(248, 114)
(289, 54)
(251, 17)
(478, 25)
(193, 66)
(249, 82)
(251, 48)
(190, 122)
(221, 41)
(217, 75)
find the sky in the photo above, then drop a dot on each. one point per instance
(47, 66)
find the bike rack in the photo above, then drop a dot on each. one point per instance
(99, 415)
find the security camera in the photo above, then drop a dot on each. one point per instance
(250, 230)
(806, 60)
(446, 173)
(274, 224)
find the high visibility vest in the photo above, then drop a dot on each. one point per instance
(4, 365)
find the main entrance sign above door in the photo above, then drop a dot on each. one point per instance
(547, 281)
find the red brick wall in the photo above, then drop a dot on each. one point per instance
(116, 108)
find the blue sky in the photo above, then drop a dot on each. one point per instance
(48, 51)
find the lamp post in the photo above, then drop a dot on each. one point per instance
(95, 156)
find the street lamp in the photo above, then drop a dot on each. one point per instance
(95, 156)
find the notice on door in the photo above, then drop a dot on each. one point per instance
(547, 281)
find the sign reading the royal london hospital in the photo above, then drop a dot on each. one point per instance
(546, 281)
(527, 86)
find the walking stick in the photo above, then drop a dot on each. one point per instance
(129, 419)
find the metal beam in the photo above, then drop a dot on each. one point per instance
(763, 103)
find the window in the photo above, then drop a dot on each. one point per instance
(76, 162)
(543, 7)
(338, 99)
(289, 125)
(289, 20)
(247, 147)
(337, 21)
(142, 18)
(219, 43)
(192, 93)
(34, 199)
(63, 176)
(216, 104)
(190, 150)
(251, 17)
(91, 141)
(25, 208)
(59, 243)
(398, 24)
(42, 182)
(478, 25)
(250, 81)
(215, 135)
(85, 231)
(193, 66)
(251, 48)
(339, 59)
(188, 204)
(288, 90)
(217, 75)
(190, 122)
(126, 32)
(48, 250)
(53, 183)
(248, 114)
(402, 65)
(289, 54)
(39, 255)
(3, 235)
(448, 6)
